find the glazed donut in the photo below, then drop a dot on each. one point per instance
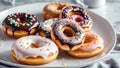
(20, 24)
(46, 27)
(93, 45)
(34, 50)
(79, 15)
(53, 10)
(67, 34)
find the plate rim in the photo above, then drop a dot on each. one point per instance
(108, 23)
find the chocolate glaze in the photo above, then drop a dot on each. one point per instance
(76, 9)
(20, 21)
(71, 41)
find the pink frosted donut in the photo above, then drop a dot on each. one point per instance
(34, 50)
(93, 45)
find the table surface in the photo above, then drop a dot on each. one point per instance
(111, 12)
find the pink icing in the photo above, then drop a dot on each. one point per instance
(92, 46)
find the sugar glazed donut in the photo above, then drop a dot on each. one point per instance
(67, 34)
(46, 27)
(53, 10)
(79, 15)
(20, 24)
(93, 45)
(34, 50)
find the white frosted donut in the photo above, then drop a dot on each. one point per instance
(46, 27)
(37, 47)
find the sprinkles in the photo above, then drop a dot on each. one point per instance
(20, 21)
(77, 14)
(14, 20)
(66, 38)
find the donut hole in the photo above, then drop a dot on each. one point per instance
(79, 19)
(34, 46)
(74, 13)
(69, 32)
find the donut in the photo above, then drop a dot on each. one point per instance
(34, 50)
(46, 27)
(53, 10)
(20, 24)
(67, 34)
(92, 46)
(79, 15)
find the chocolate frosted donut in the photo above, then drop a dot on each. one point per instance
(68, 32)
(79, 15)
(46, 27)
(20, 24)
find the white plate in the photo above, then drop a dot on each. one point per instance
(100, 26)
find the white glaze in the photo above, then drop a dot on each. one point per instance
(48, 24)
(22, 48)
(36, 24)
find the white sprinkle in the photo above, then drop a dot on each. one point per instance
(18, 19)
(26, 15)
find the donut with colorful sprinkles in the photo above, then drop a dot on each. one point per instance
(79, 15)
(46, 27)
(20, 24)
(67, 34)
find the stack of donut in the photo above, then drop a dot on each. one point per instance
(66, 27)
